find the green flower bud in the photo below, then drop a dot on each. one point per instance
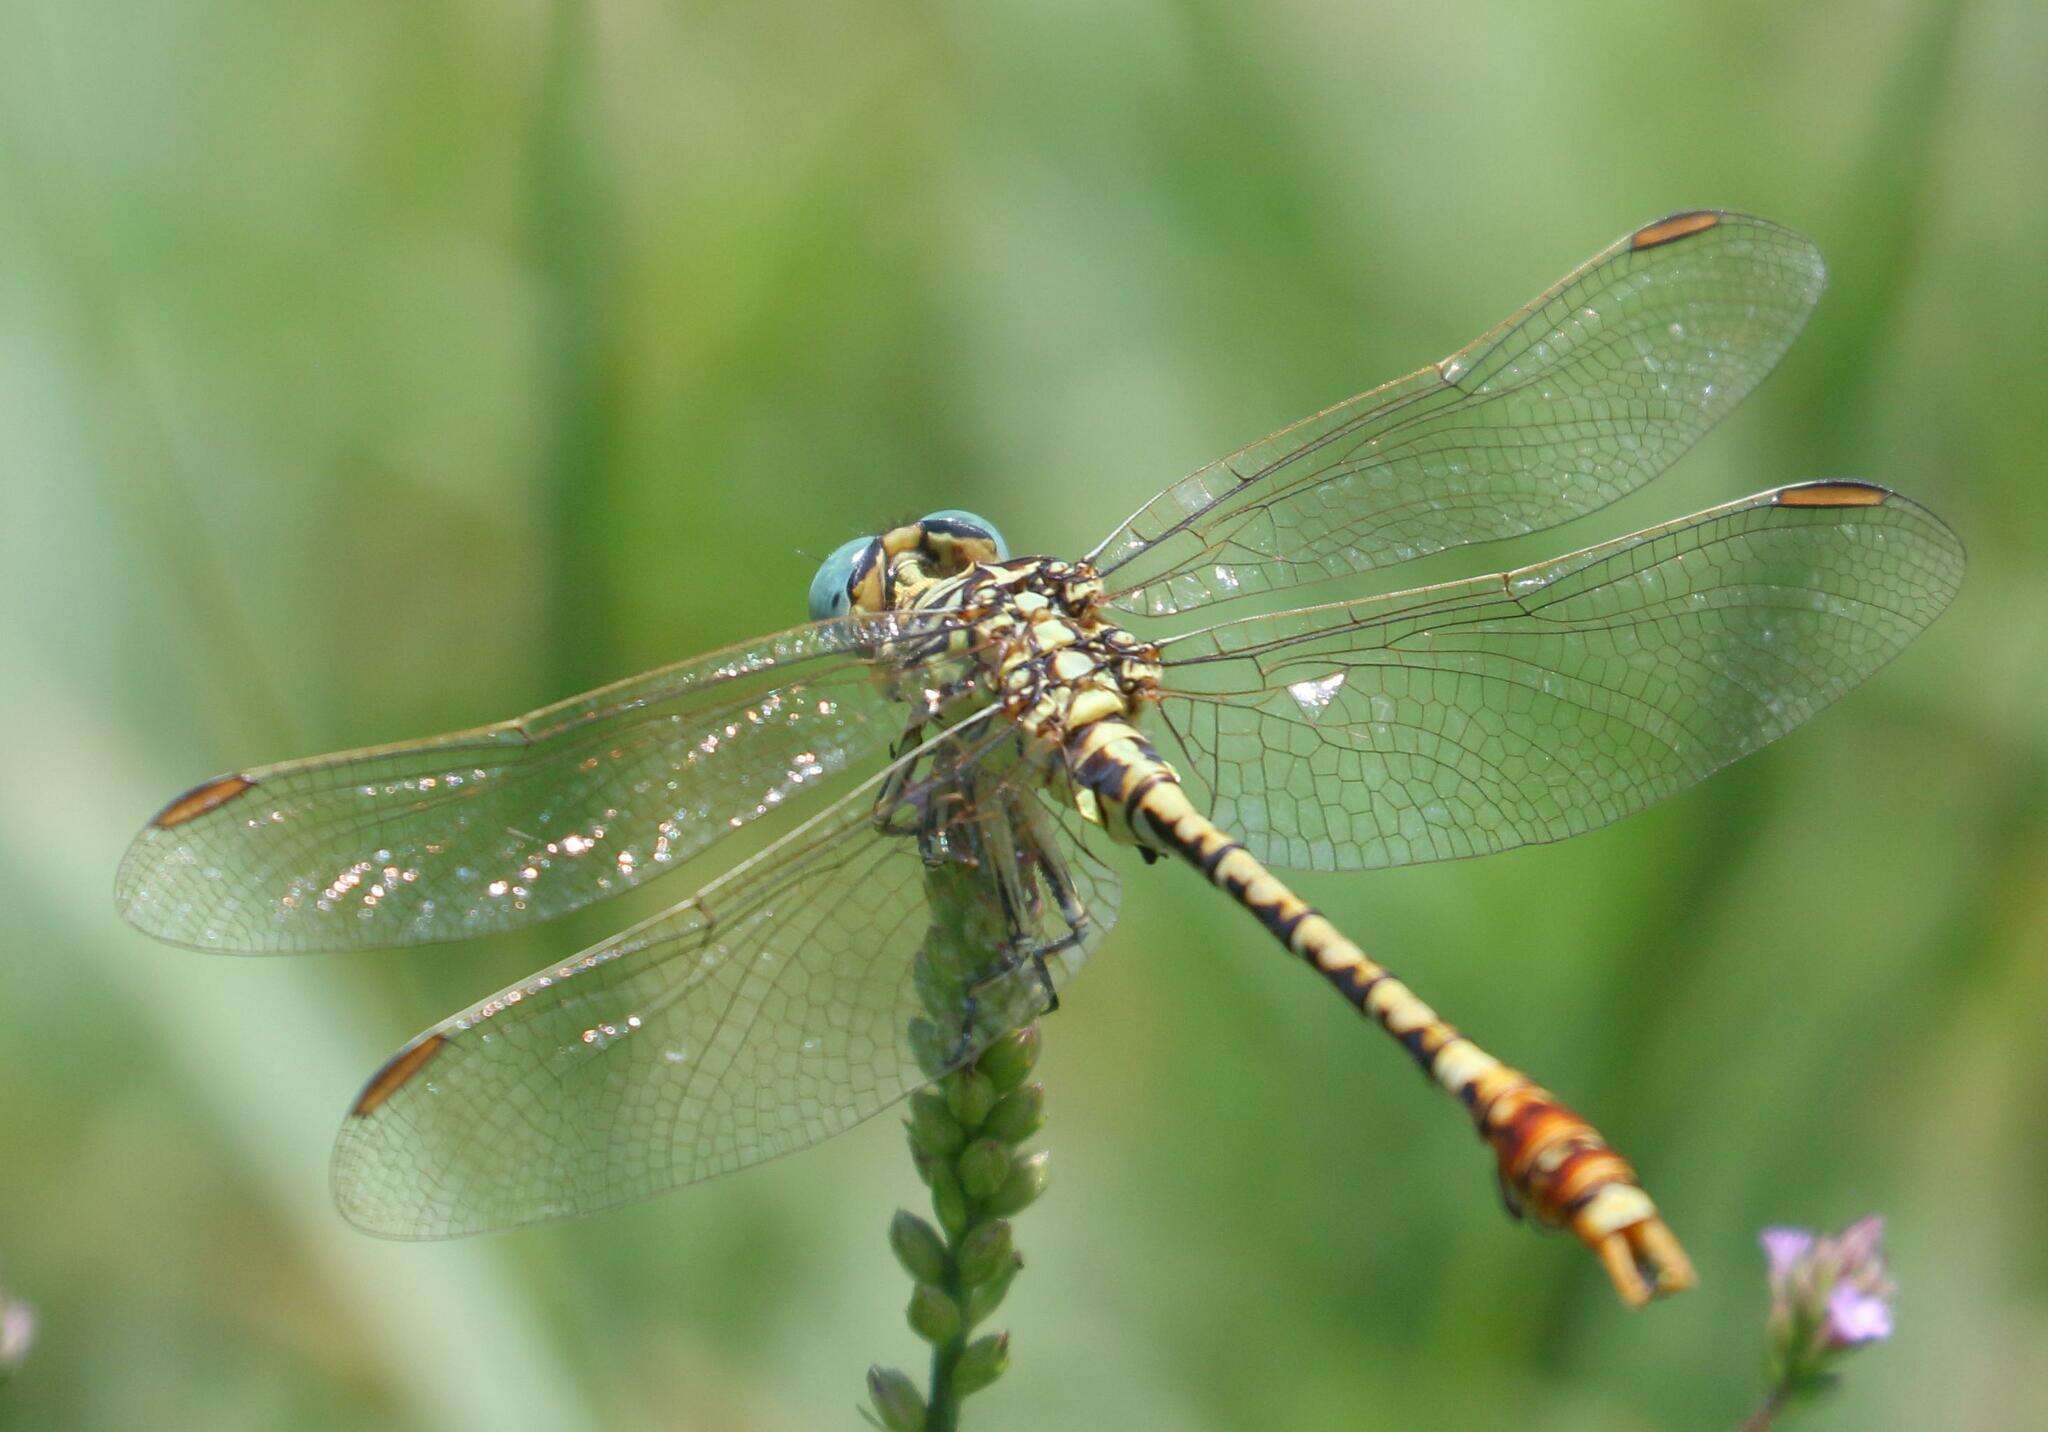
(1017, 1115)
(897, 1400)
(933, 1314)
(985, 1252)
(937, 983)
(984, 1167)
(932, 1125)
(984, 1360)
(1008, 1061)
(949, 1200)
(929, 1047)
(970, 1096)
(918, 1247)
(984, 1298)
(1020, 1190)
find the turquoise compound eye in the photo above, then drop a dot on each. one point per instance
(953, 517)
(829, 597)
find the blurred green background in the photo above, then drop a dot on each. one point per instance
(370, 370)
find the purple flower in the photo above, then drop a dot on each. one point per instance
(1785, 1247)
(1856, 1317)
(1861, 1243)
(17, 1331)
(1828, 1294)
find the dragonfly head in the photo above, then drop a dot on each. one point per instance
(832, 587)
(960, 539)
(860, 574)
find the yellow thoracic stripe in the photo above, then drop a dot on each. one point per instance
(1554, 1166)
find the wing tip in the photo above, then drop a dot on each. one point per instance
(1793, 249)
(204, 797)
(1673, 227)
(1833, 492)
(397, 1072)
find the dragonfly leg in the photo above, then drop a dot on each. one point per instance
(1007, 837)
(1026, 862)
(1012, 959)
(1008, 962)
(1020, 948)
(1052, 872)
(893, 788)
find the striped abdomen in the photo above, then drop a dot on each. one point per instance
(1554, 1166)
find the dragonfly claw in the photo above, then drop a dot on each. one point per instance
(1558, 1170)
(1645, 1261)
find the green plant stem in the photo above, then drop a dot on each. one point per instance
(967, 1130)
(1766, 1411)
(943, 1414)
(943, 1399)
(984, 1211)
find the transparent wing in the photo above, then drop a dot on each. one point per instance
(790, 999)
(500, 826)
(1589, 392)
(1536, 704)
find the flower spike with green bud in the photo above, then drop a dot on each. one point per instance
(966, 1133)
(1017, 1115)
(918, 1247)
(1026, 1181)
(984, 1298)
(934, 1316)
(1008, 1061)
(982, 1363)
(984, 1167)
(899, 1407)
(933, 1126)
(986, 1252)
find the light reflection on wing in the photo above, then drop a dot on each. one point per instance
(501, 826)
(1532, 705)
(1590, 391)
(772, 1009)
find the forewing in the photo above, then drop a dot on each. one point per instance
(1536, 704)
(1589, 392)
(774, 1008)
(497, 827)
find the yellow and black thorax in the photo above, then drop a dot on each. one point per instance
(1032, 637)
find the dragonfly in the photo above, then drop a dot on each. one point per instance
(958, 724)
